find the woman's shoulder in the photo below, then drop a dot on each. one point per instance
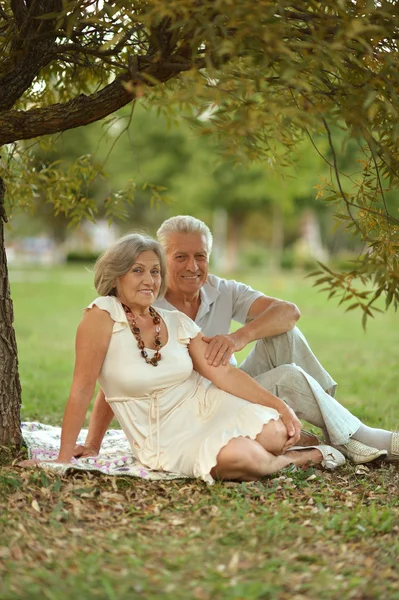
(166, 312)
(176, 315)
(112, 306)
(186, 328)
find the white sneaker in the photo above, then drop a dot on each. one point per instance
(394, 450)
(359, 453)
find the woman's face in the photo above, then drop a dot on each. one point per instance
(139, 287)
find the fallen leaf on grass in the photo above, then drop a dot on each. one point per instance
(16, 553)
(234, 562)
(4, 552)
(177, 522)
(362, 470)
(76, 530)
(113, 496)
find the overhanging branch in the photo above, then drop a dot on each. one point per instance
(27, 57)
(23, 125)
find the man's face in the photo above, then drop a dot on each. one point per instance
(187, 261)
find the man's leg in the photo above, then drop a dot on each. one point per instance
(287, 348)
(310, 402)
(342, 429)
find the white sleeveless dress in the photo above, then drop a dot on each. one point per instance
(172, 417)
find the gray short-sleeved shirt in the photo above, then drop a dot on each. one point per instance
(222, 301)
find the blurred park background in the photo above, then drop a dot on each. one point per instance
(142, 167)
(270, 230)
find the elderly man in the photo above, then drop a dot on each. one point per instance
(281, 360)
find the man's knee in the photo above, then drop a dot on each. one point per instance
(279, 375)
(289, 371)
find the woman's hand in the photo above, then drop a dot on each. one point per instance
(293, 425)
(28, 463)
(33, 462)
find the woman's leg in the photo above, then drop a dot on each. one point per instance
(244, 459)
(273, 438)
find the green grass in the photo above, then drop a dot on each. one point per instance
(48, 306)
(308, 535)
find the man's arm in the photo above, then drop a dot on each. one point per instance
(266, 317)
(100, 419)
(270, 316)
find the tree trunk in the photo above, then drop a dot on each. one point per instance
(10, 387)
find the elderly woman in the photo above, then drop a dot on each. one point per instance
(151, 366)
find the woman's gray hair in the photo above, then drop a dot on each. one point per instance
(184, 224)
(118, 259)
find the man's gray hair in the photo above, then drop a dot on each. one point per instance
(118, 259)
(184, 224)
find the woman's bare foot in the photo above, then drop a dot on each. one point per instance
(302, 458)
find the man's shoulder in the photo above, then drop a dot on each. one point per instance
(220, 283)
(163, 304)
(226, 285)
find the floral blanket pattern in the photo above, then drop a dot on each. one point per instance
(115, 458)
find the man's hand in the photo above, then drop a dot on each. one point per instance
(293, 425)
(221, 347)
(84, 451)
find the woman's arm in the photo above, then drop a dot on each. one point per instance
(92, 341)
(101, 416)
(236, 382)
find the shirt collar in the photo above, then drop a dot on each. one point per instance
(208, 295)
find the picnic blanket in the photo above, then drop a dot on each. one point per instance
(115, 458)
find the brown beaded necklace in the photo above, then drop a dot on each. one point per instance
(137, 334)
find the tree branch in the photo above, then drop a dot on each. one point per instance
(3, 14)
(22, 67)
(97, 52)
(22, 125)
(19, 11)
(348, 203)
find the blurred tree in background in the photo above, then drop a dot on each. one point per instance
(266, 74)
(256, 203)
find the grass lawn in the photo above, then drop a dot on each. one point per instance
(308, 535)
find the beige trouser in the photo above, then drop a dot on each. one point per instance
(286, 366)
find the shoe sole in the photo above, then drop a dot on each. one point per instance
(382, 455)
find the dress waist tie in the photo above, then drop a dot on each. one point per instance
(153, 413)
